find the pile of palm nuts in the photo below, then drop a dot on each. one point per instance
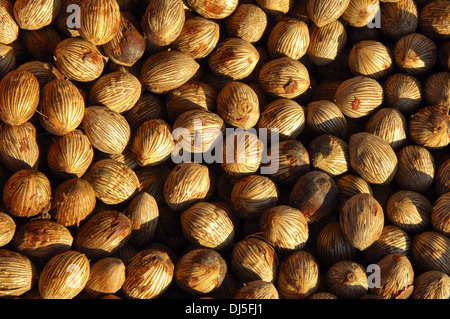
(225, 149)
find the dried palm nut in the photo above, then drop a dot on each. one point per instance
(70, 155)
(233, 58)
(315, 194)
(284, 78)
(329, 154)
(396, 277)
(430, 127)
(198, 37)
(372, 158)
(415, 54)
(362, 220)
(403, 92)
(113, 182)
(247, 22)
(326, 42)
(288, 38)
(359, 96)
(253, 194)
(399, 18)
(298, 276)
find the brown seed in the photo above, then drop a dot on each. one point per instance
(143, 213)
(284, 227)
(70, 155)
(399, 18)
(113, 182)
(287, 161)
(276, 7)
(79, 60)
(198, 38)
(298, 277)
(409, 210)
(396, 277)
(361, 220)
(167, 70)
(329, 154)
(61, 107)
(152, 143)
(118, 91)
(197, 131)
(26, 193)
(107, 130)
(429, 127)
(257, 289)
(431, 284)
(284, 78)
(252, 259)
(8, 60)
(200, 271)
(415, 54)
(324, 117)
(128, 45)
(213, 9)
(370, 58)
(332, 246)
(148, 274)
(326, 42)
(347, 279)
(288, 38)
(64, 276)
(41, 239)
(190, 96)
(323, 12)
(99, 20)
(433, 19)
(372, 158)
(284, 117)
(437, 90)
(34, 15)
(403, 92)
(106, 276)
(393, 240)
(18, 274)
(7, 229)
(440, 216)
(207, 225)
(431, 251)
(252, 194)
(359, 13)
(415, 168)
(103, 234)
(163, 21)
(442, 179)
(19, 97)
(18, 146)
(389, 124)
(358, 96)
(9, 30)
(315, 194)
(72, 202)
(238, 105)
(233, 58)
(241, 154)
(248, 22)
(186, 184)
